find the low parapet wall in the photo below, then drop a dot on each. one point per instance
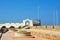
(46, 27)
(46, 36)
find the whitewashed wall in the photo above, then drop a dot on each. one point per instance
(16, 25)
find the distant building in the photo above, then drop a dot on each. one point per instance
(37, 23)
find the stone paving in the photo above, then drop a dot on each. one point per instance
(28, 39)
(10, 36)
(57, 33)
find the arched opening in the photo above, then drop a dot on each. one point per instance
(27, 23)
(12, 28)
(4, 29)
(19, 27)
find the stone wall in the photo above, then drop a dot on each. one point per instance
(46, 36)
(46, 27)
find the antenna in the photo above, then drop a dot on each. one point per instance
(56, 18)
(38, 12)
(38, 9)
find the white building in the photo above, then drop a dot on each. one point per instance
(16, 25)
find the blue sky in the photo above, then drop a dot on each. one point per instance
(18, 10)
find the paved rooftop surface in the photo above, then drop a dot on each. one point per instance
(57, 33)
(10, 36)
(28, 39)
